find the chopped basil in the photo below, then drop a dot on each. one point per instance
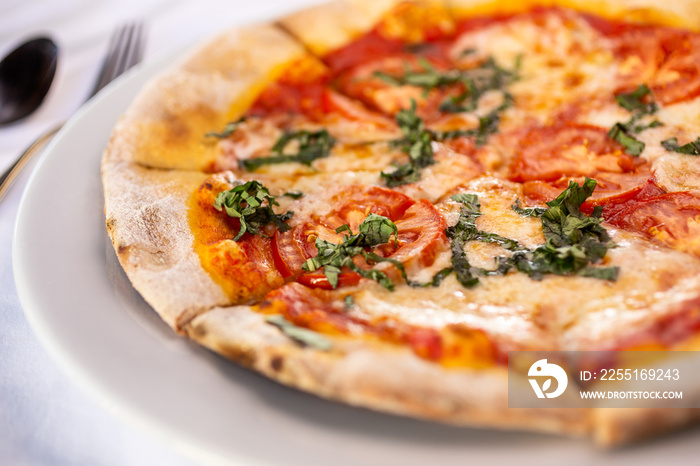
(251, 203)
(692, 148)
(466, 229)
(637, 103)
(528, 212)
(416, 142)
(487, 77)
(634, 101)
(349, 302)
(427, 78)
(373, 231)
(294, 194)
(301, 335)
(228, 129)
(619, 133)
(574, 241)
(312, 145)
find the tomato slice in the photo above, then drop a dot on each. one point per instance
(678, 78)
(290, 250)
(667, 215)
(568, 150)
(669, 218)
(363, 83)
(335, 103)
(666, 59)
(621, 199)
(421, 230)
(420, 227)
(319, 280)
(610, 188)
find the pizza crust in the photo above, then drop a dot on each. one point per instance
(166, 124)
(330, 26)
(356, 373)
(679, 13)
(146, 212)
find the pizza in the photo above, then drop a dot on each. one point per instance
(375, 201)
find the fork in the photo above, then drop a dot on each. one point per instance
(125, 50)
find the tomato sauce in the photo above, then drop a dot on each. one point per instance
(321, 311)
(300, 90)
(667, 332)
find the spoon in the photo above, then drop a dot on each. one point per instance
(25, 77)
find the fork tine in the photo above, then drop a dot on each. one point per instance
(125, 50)
(109, 63)
(137, 46)
(133, 48)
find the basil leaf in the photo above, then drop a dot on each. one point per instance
(528, 212)
(573, 240)
(349, 302)
(404, 174)
(692, 148)
(635, 101)
(477, 81)
(470, 202)
(294, 194)
(416, 142)
(378, 229)
(228, 129)
(312, 145)
(300, 335)
(251, 203)
(427, 78)
(632, 145)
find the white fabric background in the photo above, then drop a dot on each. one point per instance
(45, 419)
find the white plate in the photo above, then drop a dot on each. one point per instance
(84, 310)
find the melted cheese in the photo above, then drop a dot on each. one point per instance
(520, 312)
(561, 60)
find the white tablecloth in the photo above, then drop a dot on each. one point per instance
(45, 419)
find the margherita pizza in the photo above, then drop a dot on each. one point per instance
(376, 200)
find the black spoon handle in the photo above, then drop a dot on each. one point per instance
(8, 178)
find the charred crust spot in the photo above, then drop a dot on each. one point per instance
(196, 332)
(177, 130)
(123, 249)
(277, 363)
(111, 223)
(242, 355)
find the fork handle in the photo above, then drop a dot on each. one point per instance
(10, 176)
